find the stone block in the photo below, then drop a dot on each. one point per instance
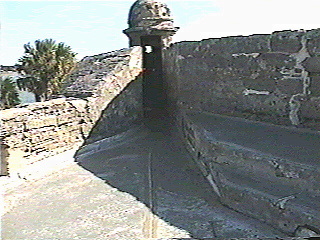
(289, 86)
(40, 121)
(314, 87)
(16, 140)
(311, 108)
(277, 60)
(14, 113)
(239, 44)
(246, 63)
(33, 122)
(312, 64)
(11, 126)
(67, 116)
(286, 41)
(313, 42)
(80, 105)
(261, 82)
(38, 135)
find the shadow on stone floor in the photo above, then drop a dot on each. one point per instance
(153, 166)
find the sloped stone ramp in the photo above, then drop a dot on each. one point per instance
(136, 185)
(269, 172)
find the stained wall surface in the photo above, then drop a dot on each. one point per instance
(273, 78)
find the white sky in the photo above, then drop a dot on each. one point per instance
(93, 27)
(245, 17)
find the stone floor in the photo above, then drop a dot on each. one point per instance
(128, 188)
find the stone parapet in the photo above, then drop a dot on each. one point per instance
(259, 169)
(270, 78)
(39, 130)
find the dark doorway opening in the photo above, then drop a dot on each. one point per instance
(4, 160)
(154, 95)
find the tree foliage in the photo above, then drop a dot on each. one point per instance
(9, 92)
(45, 66)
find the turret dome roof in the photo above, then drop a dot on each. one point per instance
(147, 12)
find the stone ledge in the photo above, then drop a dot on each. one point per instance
(38, 170)
(246, 181)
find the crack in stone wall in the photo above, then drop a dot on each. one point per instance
(295, 100)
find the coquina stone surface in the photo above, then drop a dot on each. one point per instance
(267, 172)
(272, 78)
(38, 130)
(150, 18)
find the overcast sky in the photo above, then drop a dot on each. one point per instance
(93, 27)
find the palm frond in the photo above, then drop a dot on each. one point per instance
(46, 65)
(9, 92)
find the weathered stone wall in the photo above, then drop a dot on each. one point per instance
(273, 78)
(252, 181)
(122, 113)
(43, 129)
(39, 130)
(267, 78)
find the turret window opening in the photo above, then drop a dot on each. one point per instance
(148, 49)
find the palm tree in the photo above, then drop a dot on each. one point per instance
(45, 67)
(9, 93)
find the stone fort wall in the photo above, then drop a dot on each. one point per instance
(105, 83)
(273, 78)
(269, 78)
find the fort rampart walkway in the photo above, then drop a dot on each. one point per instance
(109, 196)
